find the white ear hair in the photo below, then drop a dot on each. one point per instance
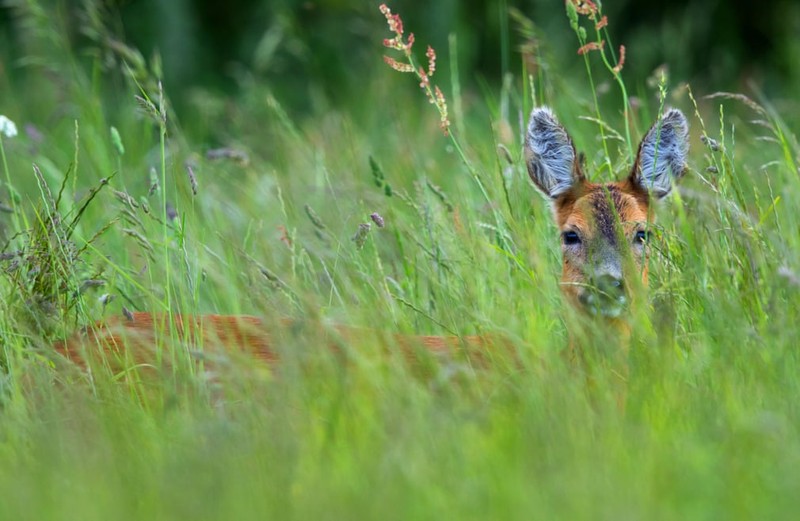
(550, 154)
(662, 154)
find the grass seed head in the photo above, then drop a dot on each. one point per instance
(314, 218)
(116, 140)
(192, 177)
(239, 156)
(377, 219)
(712, 144)
(360, 238)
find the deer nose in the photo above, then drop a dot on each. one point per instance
(606, 296)
(609, 286)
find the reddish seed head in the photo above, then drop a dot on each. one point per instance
(424, 81)
(621, 62)
(441, 104)
(394, 20)
(433, 93)
(398, 66)
(592, 46)
(585, 7)
(431, 54)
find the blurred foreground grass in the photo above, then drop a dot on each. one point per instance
(243, 208)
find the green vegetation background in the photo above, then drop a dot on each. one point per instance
(239, 185)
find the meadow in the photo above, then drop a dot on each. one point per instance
(112, 203)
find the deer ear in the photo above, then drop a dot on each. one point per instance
(662, 154)
(550, 155)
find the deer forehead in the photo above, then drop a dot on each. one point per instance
(597, 209)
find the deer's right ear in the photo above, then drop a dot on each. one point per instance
(550, 155)
(662, 155)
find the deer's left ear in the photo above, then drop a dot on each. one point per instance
(662, 154)
(550, 155)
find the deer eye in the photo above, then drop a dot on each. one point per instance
(642, 236)
(571, 238)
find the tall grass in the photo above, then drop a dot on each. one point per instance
(264, 224)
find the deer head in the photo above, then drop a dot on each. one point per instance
(604, 227)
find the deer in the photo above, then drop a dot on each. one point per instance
(603, 228)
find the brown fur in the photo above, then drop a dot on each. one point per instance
(586, 209)
(123, 342)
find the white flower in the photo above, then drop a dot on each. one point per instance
(7, 127)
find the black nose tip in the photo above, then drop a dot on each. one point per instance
(610, 285)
